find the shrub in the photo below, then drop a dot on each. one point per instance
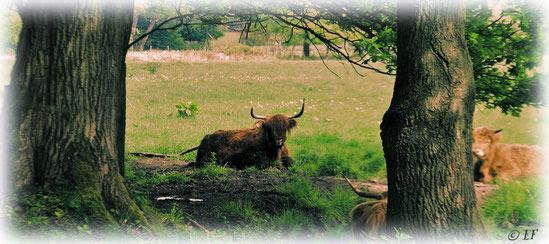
(152, 67)
(186, 109)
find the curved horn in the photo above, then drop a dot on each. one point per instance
(374, 195)
(300, 112)
(257, 116)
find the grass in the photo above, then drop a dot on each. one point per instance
(339, 132)
(515, 205)
(225, 93)
(308, 210)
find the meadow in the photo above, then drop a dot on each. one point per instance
(339, 132)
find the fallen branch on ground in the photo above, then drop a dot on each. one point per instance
(158, 155)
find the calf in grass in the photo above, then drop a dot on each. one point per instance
(246, 147)
(368, 217)
(505, 161)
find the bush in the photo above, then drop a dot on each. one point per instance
(186, 109)
(152, 67)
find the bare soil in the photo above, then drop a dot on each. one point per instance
(204, 198)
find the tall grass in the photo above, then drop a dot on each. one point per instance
(515, 205)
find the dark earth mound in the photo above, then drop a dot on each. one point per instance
(203, 198)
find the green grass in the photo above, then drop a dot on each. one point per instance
(243, 209)
(324, 211)
(513, 206)
(339, 132)
(349, 108)
(211, 172)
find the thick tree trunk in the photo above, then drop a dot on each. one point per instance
(68, 87)
(427, 130)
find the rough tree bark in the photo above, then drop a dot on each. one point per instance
(68, 102)
(427, 130)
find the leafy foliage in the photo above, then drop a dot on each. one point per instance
(505, 49)
(200, 33)
(186, 109)
(505, 52)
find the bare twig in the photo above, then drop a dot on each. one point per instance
(199, 225)
(158, 155)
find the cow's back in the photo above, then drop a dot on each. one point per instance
(237, 148)
(514, 160)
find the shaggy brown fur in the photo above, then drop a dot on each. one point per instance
(368, 217)
(246, 147)
(505, 161)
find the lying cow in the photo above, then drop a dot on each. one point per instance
(246, 147)
(505, 161)
(368, 217)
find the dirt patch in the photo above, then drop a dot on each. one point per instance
(204, 198)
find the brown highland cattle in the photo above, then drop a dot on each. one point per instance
(505, 161)
(246, 147)
(368, 217)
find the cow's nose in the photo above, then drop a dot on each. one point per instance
(478, 152)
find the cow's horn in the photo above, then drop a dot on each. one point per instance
(301, 112)
(257, 116)
(498, 131)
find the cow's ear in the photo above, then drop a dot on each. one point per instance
(293, 123)
(496, 137)
(259, 123)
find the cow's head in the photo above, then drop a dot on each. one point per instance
(276, 127)
(483, 139)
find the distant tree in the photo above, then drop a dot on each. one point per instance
(200, 33)
(161, 39)
(12, 30)
(150, 26)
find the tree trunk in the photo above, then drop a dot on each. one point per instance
(306, 49)
(149, 29)
(68, 87)
(427, 130)
(134, 27)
